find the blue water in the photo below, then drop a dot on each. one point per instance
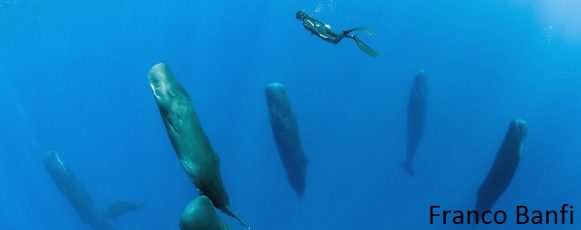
(73, 80)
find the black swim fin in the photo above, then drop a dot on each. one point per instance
(365, 48)
(364, 29)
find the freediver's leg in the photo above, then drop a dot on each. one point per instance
(338, 38)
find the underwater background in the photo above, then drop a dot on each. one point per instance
(73, 80)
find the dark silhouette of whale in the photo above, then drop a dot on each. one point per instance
(187, 137)
(79, 198)
(200, 214)
(286, 136)
(416, 116)
(504, 166)
(121, 207)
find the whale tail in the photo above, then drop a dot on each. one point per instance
(228, 211)
(140, 206)
(407, 167)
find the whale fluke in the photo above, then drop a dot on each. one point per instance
(407, 167)
(120, 208)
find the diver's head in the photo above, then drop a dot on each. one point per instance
(301, 15)
(160, 79)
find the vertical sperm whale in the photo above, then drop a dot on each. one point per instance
(416, 116)
(200, 214)
(187, 137)
(78, 196)
(286, 136)
(504, 166)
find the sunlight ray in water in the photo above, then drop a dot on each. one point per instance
(431, 129)
(561, 17)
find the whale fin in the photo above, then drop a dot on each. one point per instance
(407, 167)
(231, 213)
(120, 208)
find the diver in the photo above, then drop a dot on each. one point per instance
(324, 31)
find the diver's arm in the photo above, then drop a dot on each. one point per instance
(325, 30)
(315, 28)
(309, 25)
(308, 22)
(320, 30)
(316, 21)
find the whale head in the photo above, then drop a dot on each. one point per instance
(163, 84)
(420, 87)
(200, 214)
(274, 89)
(518, 129)
(173, 101)
(53, 163)
(169, 93)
